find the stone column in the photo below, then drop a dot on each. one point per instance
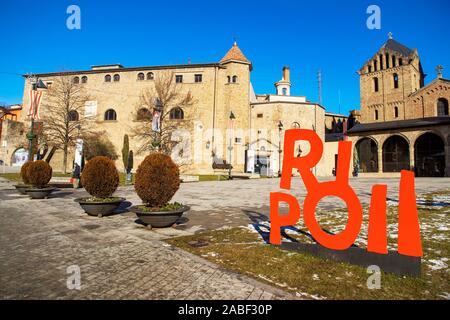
(380, 159)
(411, 157)
(447, 160)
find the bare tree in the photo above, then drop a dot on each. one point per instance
(63, 115)
(163, 97)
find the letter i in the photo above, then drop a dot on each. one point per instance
(409, 243)
(377, 238)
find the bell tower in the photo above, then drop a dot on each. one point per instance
(284, 85)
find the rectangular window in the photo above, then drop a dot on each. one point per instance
(198, 78)
(259, 115)
(179, 79)
(237, 140)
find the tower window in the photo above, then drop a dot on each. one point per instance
(284, 91)
(376, 114)
(375, 65)
(107, 78)
(375, 84)
(234, 79)
(381, 62)
(140, 76)
(395, 81)
(394, 62)
(387, 60)
(396, 112)
(83, 79)
(76, 80)
(150, 76)
(400, 62)
(369, 69)
(116, 78)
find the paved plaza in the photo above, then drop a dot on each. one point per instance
(121, 259)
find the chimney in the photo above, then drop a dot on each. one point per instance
(286, 74)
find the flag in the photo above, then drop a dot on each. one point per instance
(156, 120)
(35, 101)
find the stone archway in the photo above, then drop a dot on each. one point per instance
(395, 154)
(367, 152)
(19, 157)
(429, 155)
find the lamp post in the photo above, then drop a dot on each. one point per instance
(230, 147)
(38, 85)
(280, 128)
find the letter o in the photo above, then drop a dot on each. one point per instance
(346, 238)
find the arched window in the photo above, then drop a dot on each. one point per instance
(284, 91)
(76, 80)
(295, 125)
(442, 107)
(110, 114)
(73, 115)
(396, 112)
(394, 62)
(395, 76)
(234, 79)
(83, 79)
(176, 114)
(375, 65)
(381, 62)
(140, 76)
(150, 76)
(400, 61)
(387, 60)
(116, 78)
(108, 78)
(229, 79)
(369, 68)
(375, 84)
(376, 114)
(144, 114)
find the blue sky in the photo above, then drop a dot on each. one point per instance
(306, 35)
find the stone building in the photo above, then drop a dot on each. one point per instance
(249, 141)
(403, 123)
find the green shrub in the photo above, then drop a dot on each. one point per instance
(157, 180)
(39, 173)
(100, 177)
(24, 172)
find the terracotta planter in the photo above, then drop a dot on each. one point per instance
(39, 193)
(99, 209)
(161, 219)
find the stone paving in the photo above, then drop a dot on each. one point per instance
(120, 259)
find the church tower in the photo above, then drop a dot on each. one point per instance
(390, 76)
(284, 85)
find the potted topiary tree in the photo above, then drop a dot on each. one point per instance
(39, 174)
(24, 175)
(100, 179)
(157, 180)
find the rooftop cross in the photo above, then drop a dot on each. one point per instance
(439, 69)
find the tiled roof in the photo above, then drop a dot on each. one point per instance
(234, 54)
(399, 124)
(397, 47)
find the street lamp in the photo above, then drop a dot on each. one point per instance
(38, 85)
(230, 147)
(280, 128)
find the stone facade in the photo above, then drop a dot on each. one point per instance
(403, 123)
(225, 88)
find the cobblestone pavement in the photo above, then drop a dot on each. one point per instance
(120, 259)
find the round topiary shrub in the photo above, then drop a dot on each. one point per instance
(100, 177)
(24, 172)
(39, 173)
(157, 180)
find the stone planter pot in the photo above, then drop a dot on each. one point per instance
(161, 219)
(39, 193)
(21, 188)
(99, 209)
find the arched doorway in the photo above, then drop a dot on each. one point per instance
(395, 154)
(367, 155)
(429, 156)
(19, 157)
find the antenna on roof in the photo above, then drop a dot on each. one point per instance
(189, 60)
(319, 86)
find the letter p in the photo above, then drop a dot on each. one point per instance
(276, 220)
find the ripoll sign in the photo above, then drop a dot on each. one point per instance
(409, 243)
